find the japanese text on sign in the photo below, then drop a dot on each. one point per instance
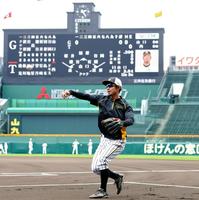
(169, 149)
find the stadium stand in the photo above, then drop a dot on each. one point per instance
(168, 79)
(3, 115)
(184, 120)
(177, 117)
(157, 111)
(193, 91)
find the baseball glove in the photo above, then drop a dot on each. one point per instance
(112, 125)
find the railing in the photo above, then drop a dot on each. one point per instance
(181, 100)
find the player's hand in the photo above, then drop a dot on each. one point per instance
(65, 94)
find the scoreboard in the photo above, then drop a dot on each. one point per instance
(74, 58)
(62, 56)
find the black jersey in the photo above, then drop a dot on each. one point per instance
(118, 108)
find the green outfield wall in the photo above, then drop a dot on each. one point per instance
(63, 145)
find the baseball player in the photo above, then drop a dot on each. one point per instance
(30, 146)
(90, 147)
(115, 114)
(75, 146)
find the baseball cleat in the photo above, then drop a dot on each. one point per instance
(100, 193)
(118, 183)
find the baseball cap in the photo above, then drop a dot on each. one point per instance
(114, 80)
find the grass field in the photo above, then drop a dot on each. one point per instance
(146, 157)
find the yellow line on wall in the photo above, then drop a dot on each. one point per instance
(98, 134)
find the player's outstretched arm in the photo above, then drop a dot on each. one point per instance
(92, 98)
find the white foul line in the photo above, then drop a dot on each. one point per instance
(48, 185)
(162, 171)
(28, 174)
(89, 172)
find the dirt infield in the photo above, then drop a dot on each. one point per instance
(50, 178)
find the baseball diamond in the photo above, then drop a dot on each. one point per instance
(62, 178)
